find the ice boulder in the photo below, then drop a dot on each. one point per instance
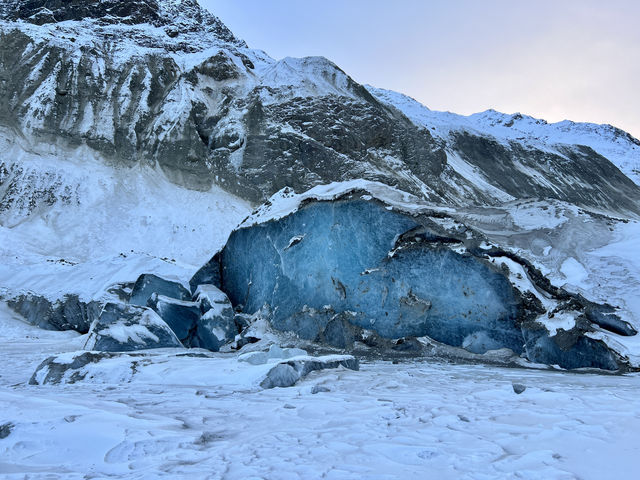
(123, 328)
(340, 261)
(182, 316)
(348, 257)
(147, 284)
(208, 295)
(66, 368)
(217, 327)
(288, 373)
(208, 274)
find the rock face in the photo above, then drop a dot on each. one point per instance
(332, 270)
(165, 83)
(159, 13)
(124, 328)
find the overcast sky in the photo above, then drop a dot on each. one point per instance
(575, 59)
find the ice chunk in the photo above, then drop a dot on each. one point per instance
(209, 273)
(337, 268)
(66, 368)
(123, 328)
(275, 353)
(208, 295)
(217, 327)
(181, 316)
(148, 284)
(568, 350)
(286, 374)
(424, 290)
(480, 342)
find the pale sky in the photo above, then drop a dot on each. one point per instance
(553, 59)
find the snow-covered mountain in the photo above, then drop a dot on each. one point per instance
(614, 144)
(136, 135)
(148, 162)
(165, 84)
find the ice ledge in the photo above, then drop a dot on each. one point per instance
(286, 201)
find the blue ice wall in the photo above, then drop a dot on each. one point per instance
(336, 254)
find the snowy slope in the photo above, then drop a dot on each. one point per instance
(117, 224)
(612, 143)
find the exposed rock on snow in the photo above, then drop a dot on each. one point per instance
(69, 368)
(5, 430)
(286, 374)
(519, 388)
(319, 389)
(123, 328)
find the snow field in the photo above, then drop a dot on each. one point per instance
(189, 417)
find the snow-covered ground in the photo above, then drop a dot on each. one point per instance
(189, 417)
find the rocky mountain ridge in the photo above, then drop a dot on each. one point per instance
(131, 145)
(165, 84)
(618, 146)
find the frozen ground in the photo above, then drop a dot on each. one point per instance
(188, 417)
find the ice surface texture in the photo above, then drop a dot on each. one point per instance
(334, 267)
(337, 254)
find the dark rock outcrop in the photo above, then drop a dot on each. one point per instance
(160, 13)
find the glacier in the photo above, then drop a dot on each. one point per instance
(344, 262)
(135, 137)
(331, 268)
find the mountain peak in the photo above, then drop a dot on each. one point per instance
(182, 15)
